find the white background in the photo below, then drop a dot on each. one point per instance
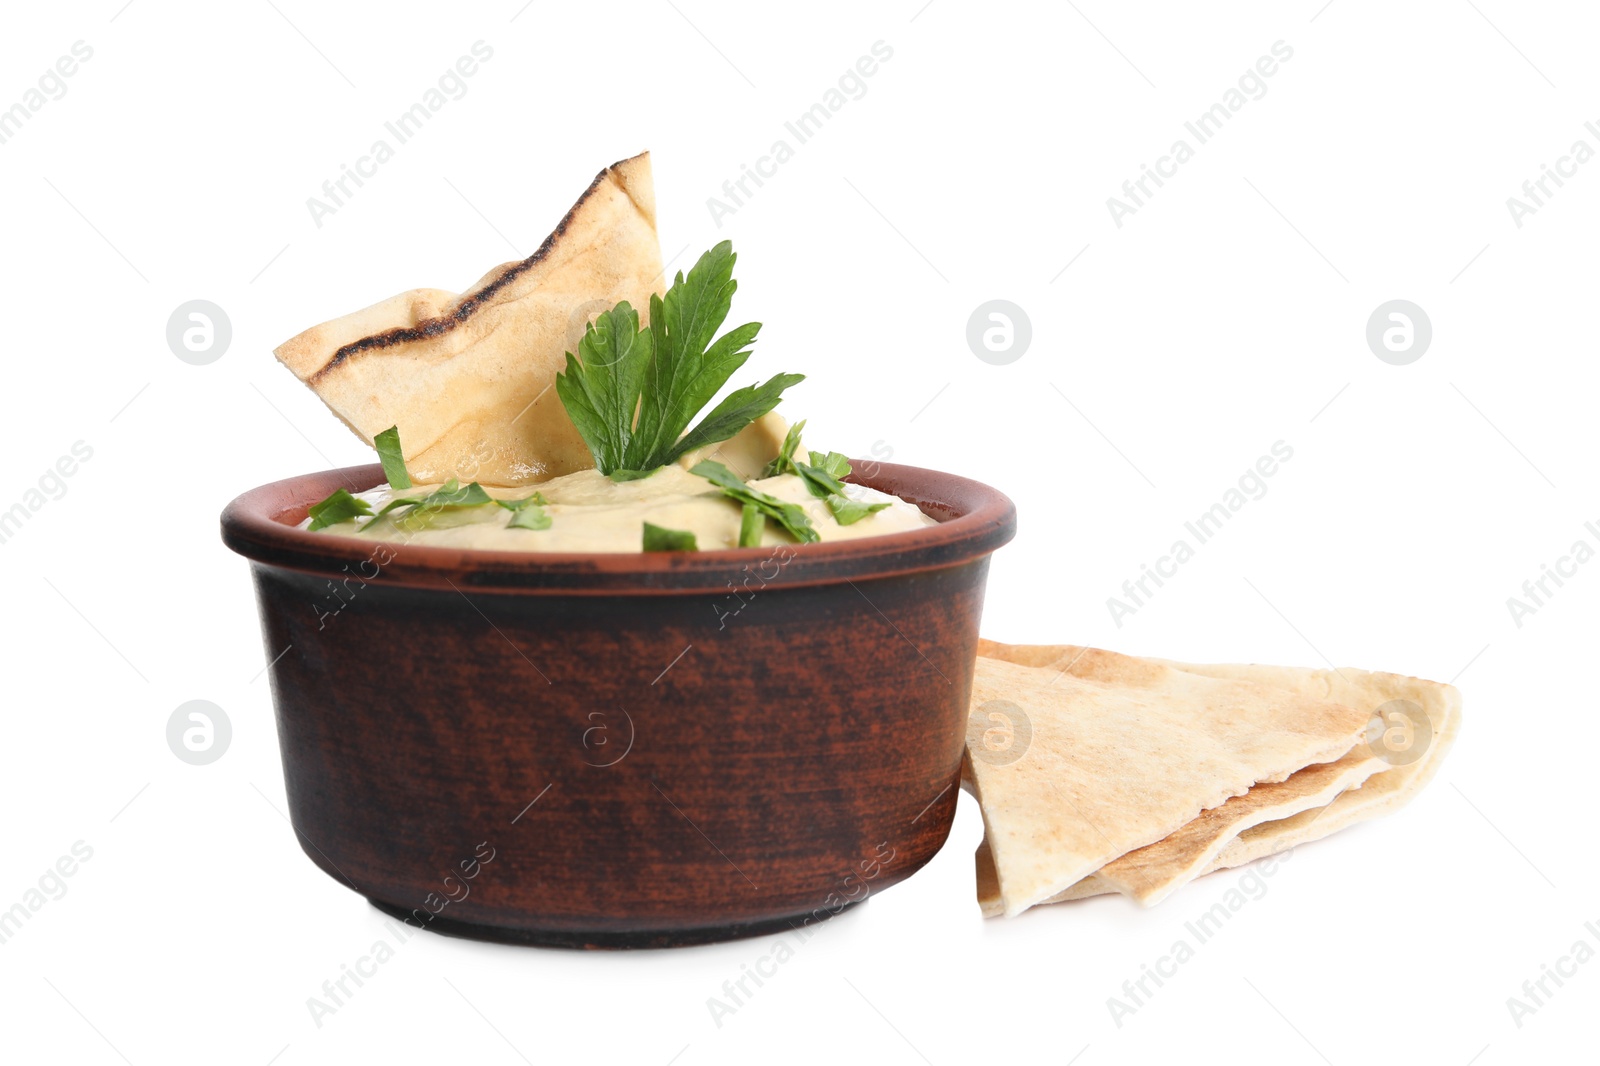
(1227, 314)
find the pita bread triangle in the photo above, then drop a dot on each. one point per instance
(1270, 818)
(469, 378)
(1123, 752)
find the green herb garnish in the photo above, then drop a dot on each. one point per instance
(791, 516)
(455, 494)
(437, 508)
(791, 444)
(822, 476)
(340, 506)
(818, 480)
(835, 464)
(443, 508)
(848, 512)
(529, 518)
(398, 502)
(659, 539)
(632, 392)
(394, 464)
(527, 513)
(537, 499)
(751, 524)
(450, 494)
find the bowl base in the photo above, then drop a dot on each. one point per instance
(608, 939)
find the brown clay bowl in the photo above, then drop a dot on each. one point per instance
(621, 750)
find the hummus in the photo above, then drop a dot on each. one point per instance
(591, 513)
(588, 512)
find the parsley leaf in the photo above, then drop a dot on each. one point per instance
(437, 508)
(737, 410)
(530, 518)
(528, 513)
(454, 494)
(751, 524)
(444, 507)
(820, 483)
(400, 501)
(791, 444)
(791, 516)
(394, 464)
(526, 501)
(660, 539)
(601, 385)
(632, 392)
(821, 477)
(340, 506)
(834, 463)
(848, 512)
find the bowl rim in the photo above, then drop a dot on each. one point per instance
(973, 520)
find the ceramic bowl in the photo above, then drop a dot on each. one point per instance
(607, 750)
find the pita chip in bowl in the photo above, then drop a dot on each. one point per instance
(468, 378)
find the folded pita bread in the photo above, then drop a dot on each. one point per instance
(1154, 872)
(469, 378)
(1316, 801)
(1382, 793)
(1125, 751)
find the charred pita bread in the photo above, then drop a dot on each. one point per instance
(469, 378)
(1123, 752)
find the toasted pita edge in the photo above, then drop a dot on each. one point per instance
(1155, 872)
(420, 314)
(1382, 793)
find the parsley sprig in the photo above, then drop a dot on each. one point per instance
(632, 391)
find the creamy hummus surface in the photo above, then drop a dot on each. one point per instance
(591, 513)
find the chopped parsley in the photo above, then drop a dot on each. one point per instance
(791, 444)
(441, 508)
(848, 512)
(438, 508)
(822, 477)
(338, 507)
(527, 513)
(751, 525)
(791, 516)
(660, 539)
(394, 464)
